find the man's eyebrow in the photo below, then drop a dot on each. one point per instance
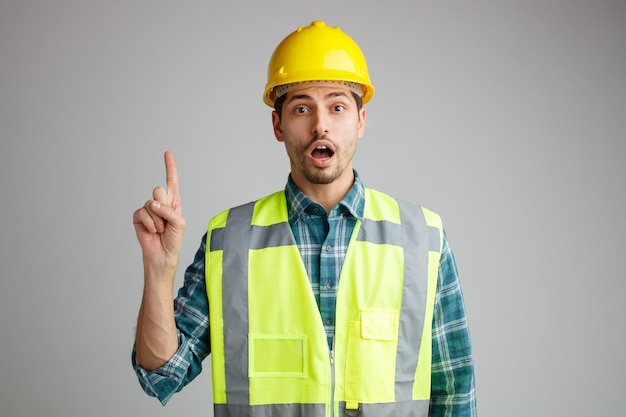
(308, 97)
(336, 94)
(299, 97)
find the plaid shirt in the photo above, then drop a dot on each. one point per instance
(323, 240)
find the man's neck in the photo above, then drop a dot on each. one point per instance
(327, 195)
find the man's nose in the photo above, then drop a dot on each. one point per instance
(320, 123)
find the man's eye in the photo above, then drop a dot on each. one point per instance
(300, 109)
(338, 107)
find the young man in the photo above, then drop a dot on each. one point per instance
(326, 298)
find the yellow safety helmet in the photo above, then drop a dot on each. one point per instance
(317, 53)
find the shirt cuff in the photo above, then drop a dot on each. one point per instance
(165, 381)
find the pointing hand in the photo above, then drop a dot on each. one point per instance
(159, 224)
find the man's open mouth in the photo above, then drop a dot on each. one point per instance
(322, 152)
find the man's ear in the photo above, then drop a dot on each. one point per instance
(278, 129)
(361, 125)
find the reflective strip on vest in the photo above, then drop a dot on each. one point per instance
(269, 350)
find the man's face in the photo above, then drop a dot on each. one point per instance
(320, 126)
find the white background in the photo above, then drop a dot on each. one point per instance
(506, 117)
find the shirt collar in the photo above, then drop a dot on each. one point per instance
(298, 204)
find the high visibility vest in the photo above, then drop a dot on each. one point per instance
(269, 350)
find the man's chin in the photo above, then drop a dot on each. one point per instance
(321, 176)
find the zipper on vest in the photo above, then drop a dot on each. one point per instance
(332, 381)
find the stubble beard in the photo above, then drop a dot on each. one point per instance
(321, 176)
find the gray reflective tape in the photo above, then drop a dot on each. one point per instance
(434, 238)
(380, 232)
(235, 303)
(412, 408)
(261, 237)
(400, 409)
(414, 290)
(269, 410)
(217, 239)
(278, 234)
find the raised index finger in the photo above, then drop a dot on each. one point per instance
(171, 178)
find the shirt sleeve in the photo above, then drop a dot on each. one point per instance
(191, 311)
(453, 383)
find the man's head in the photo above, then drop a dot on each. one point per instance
(317, 84)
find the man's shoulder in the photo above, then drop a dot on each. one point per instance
(383, 200)
(373, 194)
(273, 201)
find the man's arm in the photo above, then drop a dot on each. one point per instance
(453, 384)
(191, 314)
(159, 226)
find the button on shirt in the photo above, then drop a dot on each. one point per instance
(322, 240)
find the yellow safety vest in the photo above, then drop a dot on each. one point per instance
(270, 355)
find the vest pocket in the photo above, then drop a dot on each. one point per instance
(379, 324)
(277, 355)
(371, 356)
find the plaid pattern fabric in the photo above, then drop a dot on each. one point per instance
(322, 240)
